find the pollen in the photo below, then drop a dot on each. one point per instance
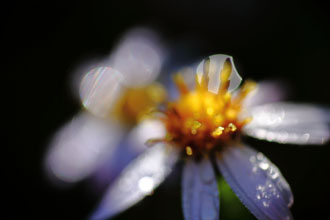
(232, 127)
(200, 120)
(217, 132)
(189, 151)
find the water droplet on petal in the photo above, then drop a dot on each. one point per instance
(146, 184)
(264, 165)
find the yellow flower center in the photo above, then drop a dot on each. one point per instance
(200, 120)
(136, 103)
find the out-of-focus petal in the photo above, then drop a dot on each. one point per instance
(257, 182)
(216, 65)
(129, 149)
(139, 57)
(189, 76)
(200, 196)
(138, 180)
(99, 89)
(146, 130)
(80, 147)
(266, 92)
(290, 123)
(188, 72)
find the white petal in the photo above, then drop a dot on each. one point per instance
(216, 64)
(139, 57)
(138, 180)
(133, 145)
(146, 130)
(189, 75)
(99, 89)
(266, 92)
(290, 123)
(80, 147)
(188, 72)
(257, 182)
(200, 196)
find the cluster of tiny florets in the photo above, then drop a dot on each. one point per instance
(200, 120)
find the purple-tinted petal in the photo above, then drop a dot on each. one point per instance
(132, 146)
(200, 196)
(138, 180)
(257, 182)
(290, 123)
(111, 169)
(139, 57)
(266, 92)
(81, 147)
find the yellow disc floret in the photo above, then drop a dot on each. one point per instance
(136, 103)
(201, 120)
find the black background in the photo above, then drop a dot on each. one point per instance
(47, 40)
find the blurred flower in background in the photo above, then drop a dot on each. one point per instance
(110, 131)
(203, 127)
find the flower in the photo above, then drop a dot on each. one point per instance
(204, 127)
(116, 95)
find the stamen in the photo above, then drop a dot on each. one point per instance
(195, 126)
(226, 99)
(231, 114)
(224, 76)
(247, 87)
(246, 121)
(217, 132)
(181, 85)
(154, 141)
(204, 83)
(189, 151)
(232, 127)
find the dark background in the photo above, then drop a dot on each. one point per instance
(48, 39)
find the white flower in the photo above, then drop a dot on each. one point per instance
(203, 127)
(115, 95)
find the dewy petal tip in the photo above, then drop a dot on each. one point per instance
(137, 180)
(289, 123)
(257, 182)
